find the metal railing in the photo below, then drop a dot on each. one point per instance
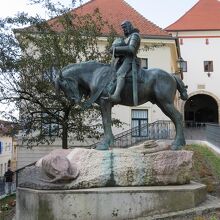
(195, 130)
(2, 185)
(20, 169)
(213, 134)
(194, 124)
(3, 191)
(157, 130)
(202, 131)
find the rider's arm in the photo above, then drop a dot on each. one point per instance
(125, 50)
(131, 49)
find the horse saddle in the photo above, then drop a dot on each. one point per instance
(140, 73)
(128, 79)
(108, 81)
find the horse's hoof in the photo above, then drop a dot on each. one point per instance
(178, 145)
(102, 147)
(175, 147)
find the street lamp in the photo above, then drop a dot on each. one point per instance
(180, 64)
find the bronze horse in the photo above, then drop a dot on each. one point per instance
(154, 85)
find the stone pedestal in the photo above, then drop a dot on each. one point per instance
(107, 202)
(143, 165)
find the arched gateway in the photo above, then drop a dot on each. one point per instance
(201, 107)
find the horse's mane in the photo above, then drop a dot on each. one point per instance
(91, 63)
(76, 69)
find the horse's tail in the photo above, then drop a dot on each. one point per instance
(181, 87)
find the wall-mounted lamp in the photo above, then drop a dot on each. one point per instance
(180, 63)
(209, 74)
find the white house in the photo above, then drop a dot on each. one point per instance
(198, 31)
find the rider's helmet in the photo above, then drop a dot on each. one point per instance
(127, 27)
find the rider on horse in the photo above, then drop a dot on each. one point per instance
(127, 57)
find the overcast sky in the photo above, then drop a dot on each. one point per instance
(160, 12)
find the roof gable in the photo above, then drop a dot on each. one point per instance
(115, 12)
(204, 15)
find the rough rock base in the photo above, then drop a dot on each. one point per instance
(149, 164)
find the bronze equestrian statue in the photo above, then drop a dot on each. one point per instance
(97, 81)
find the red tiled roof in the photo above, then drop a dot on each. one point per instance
(204, 15)
(115, 12)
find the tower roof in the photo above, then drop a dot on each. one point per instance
(204, 15)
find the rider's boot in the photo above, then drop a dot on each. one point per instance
(116, 96)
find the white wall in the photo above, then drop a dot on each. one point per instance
(195, 51)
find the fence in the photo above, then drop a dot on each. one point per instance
(202, 131)
(2, 186)
(195, 130)
(213, 134)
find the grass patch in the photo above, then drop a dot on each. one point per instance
(7, 205)
(206, 166)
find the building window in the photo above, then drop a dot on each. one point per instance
(184, 66)
(10, 147)
(144, 63)
(139, 121)
(1, 147)
(206, 41)
(208, 66)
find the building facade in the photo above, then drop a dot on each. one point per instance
(7, 148)
(198, 31)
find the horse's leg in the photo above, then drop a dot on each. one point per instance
(108, 140)
(176, 117)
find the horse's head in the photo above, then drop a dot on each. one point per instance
(70, 88)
